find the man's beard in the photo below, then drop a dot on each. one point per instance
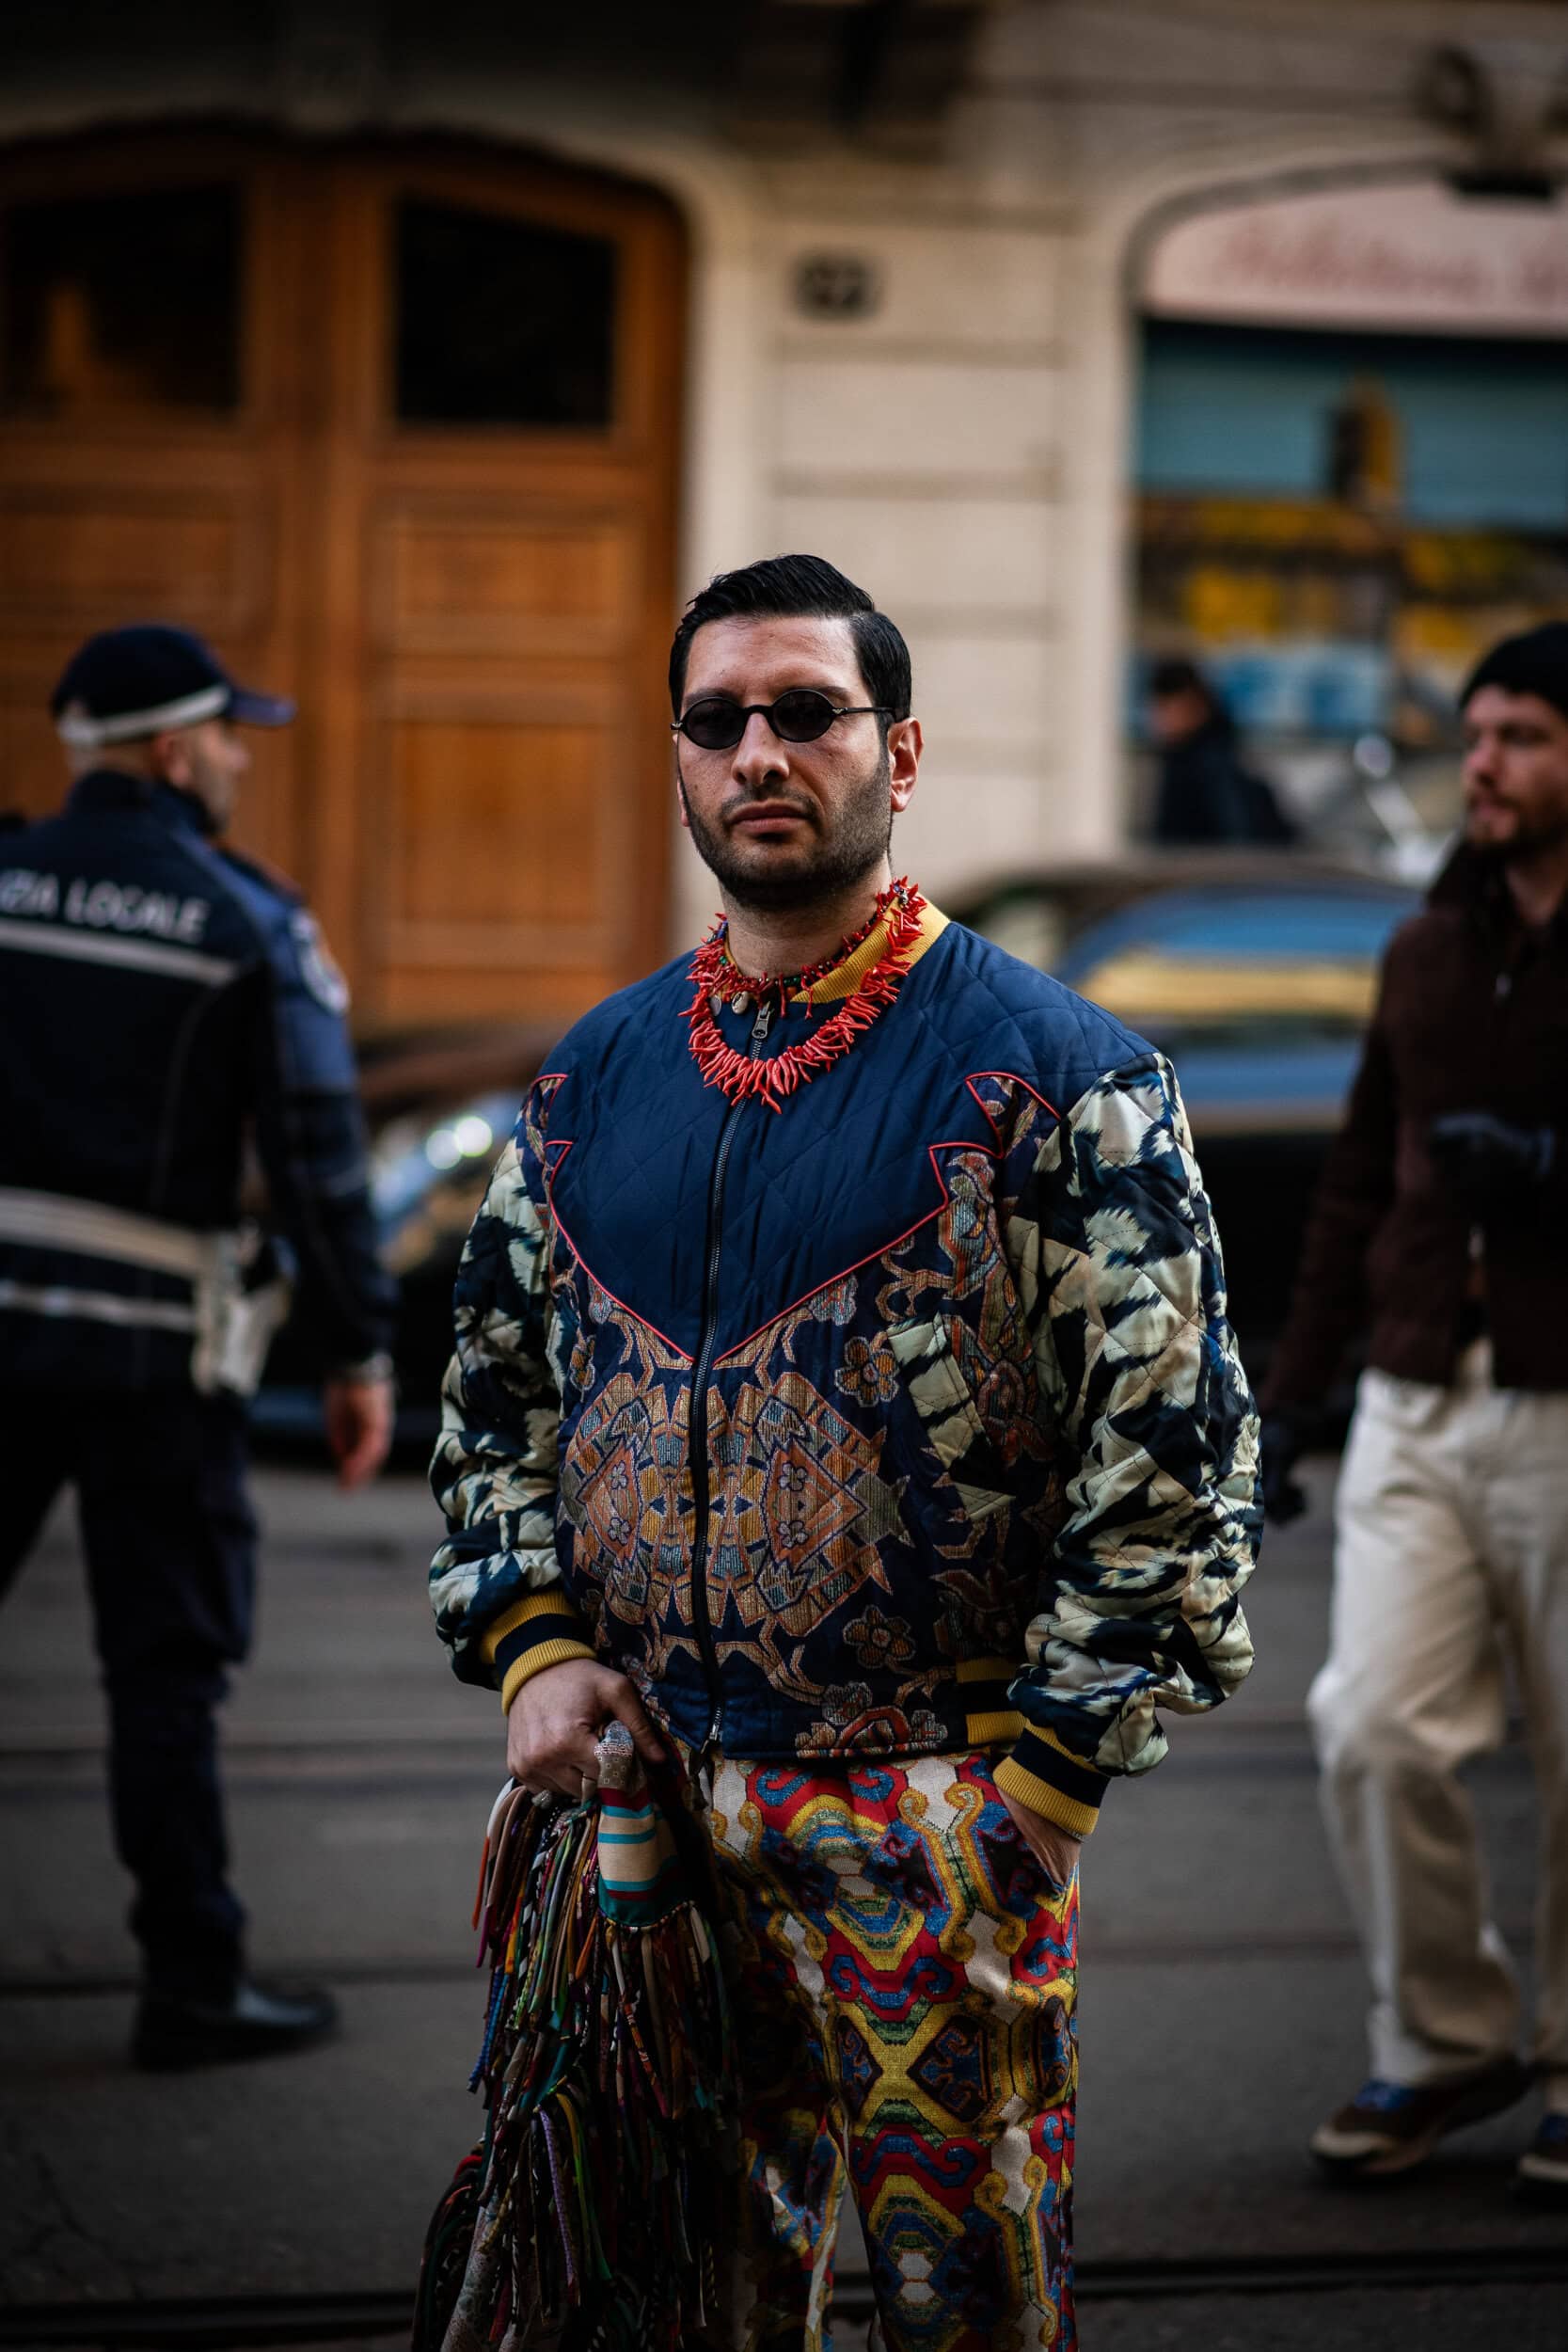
(1526, 841)
(854, 848)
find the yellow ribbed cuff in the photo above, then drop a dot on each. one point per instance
(533, 1662)
(1040, 1797)
(550, 1602)
(541, 1630)
(1046, 1776)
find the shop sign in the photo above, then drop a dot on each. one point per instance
(1413, 258)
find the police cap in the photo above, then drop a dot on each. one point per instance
(128, 683)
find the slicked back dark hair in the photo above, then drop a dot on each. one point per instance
(800, 587)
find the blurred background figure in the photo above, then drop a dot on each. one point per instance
(1206, 793)
(1442, 1221)
(162, 1003)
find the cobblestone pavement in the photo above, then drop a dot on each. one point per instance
(1220, 2008)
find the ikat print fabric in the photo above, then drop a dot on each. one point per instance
(903, 1977)
(977, 1462)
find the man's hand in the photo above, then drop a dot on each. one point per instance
(1488, 1162)
(359, 1415)
(1054, 1848)
(556, 1717)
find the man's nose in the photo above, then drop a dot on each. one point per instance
(1479, 764)
(759, 754)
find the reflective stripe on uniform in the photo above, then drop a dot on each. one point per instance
(95, 1306)
(54, 1220)
(232, 1327)
(140, 955)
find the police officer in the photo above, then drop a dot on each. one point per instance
(165, 1003)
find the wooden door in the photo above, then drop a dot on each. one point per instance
(150, 414)
(417, 466)
(499, 479)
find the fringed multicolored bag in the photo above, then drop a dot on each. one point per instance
(592, 2217)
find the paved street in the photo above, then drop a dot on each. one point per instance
(1220, 2011)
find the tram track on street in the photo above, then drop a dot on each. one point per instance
(323, 2323)
(87, 1984)
(372, 1764)
(189, 2217)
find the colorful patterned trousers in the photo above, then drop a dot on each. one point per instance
(905, 1977)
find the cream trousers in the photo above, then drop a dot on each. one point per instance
(1451, 1561)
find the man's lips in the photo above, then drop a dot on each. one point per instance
(767, 817)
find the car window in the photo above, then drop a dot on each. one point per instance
(1033, 927)
(1196, 965)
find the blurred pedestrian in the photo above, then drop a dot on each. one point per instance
(1206, 792)
(1442, 1221)
(826, 1399)
(162, 1000)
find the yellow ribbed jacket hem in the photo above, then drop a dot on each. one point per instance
(999, 1728)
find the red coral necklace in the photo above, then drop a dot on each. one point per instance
(715, 978)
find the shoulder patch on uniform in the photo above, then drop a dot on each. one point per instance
(323, 979)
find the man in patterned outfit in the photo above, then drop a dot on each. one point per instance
(844, 1398)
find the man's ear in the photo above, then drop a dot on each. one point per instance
(168, 757)
(680, 794)
(905, 743)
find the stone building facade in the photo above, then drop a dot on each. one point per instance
(915, 237)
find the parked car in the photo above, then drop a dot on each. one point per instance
(1254, 972)
(1256, 976)
(440, 1108)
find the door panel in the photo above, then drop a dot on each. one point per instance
(122, 551)
(527, 786)
(515, 597)
(420, 474)
(148, 434)
(520, 580)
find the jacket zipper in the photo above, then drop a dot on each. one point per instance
(697, 1421)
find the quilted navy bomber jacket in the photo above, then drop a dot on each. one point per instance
(904, 1419)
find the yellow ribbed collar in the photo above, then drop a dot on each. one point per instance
(847, 977)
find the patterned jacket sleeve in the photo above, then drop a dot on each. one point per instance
(1113, 1248)
(495, 1581)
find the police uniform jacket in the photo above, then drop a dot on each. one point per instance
(162, 1000)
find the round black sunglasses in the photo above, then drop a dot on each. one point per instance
(799, 717)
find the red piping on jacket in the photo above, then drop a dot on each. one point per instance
(564, 1144)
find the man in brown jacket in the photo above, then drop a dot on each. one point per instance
(1442, 1224)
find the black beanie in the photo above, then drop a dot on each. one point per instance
(1535, 662)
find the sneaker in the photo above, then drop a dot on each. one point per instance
(1392, 2127)
(172, 2031)
(1542, 2174)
